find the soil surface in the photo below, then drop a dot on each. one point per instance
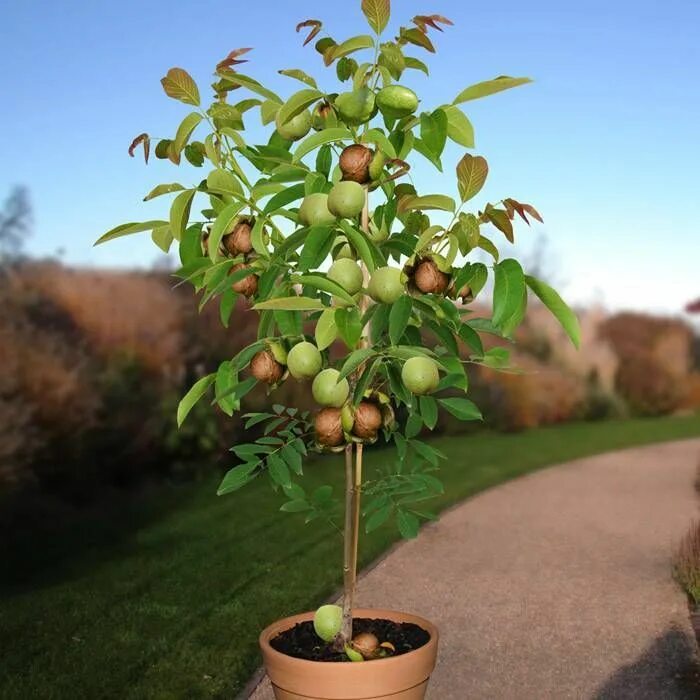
(302, 642)
(556, 585)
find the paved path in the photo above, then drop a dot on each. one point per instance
(556, 585)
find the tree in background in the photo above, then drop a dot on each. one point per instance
(15, 223)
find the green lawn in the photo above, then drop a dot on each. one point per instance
(172, 608)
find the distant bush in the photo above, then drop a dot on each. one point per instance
(686, 563)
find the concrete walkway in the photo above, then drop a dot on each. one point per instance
(556, 585)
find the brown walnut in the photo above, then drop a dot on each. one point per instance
(246, 286)
(238, 242)
(328, 427)
(265, 368)
(354, 163)
(368, 420)
(430, 279)
(367, 644)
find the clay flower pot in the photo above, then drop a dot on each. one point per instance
(403, 677)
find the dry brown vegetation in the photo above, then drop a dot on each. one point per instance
(92, 364)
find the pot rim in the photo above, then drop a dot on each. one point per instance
(286, 623)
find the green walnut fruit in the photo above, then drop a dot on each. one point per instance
(328, 620)
(328, 391)
(346, 199)
(323, 117)
(348, 274)
(296, 128)
(356, 107)
(376, 166)
(385, 285)
(396, 101)
(304, 361)
(314, 210)
(420, 375)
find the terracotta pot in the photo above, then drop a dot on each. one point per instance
(403, 677)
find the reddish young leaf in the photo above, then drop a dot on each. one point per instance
(232, 59)
(315, 28)
(425, 21)
(145, 139)
(416, 37)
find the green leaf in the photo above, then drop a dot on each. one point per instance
(179, 85)
(433, 130)
(318, 139)
(325, 285)
(290, 304)
(220, 181)
(192, 396)
(489, 87)
(184, 131)
(430, 201)
(398, 318)
(408, 524)
(500, 219)
(366, 250)
(347, 47)
(289, 322)
(429, 411)
(508, 290)
(326, 329)
(128, 229)
(349, 325)
(378, 137)
(354, 360)
(180, 213)
(279, 471)
(281, 199)
(324, 160)
(252, 85)
(471, 175)
(222, 225)
(464, 409)
(299, 75)
(226, 379)
(379, 517)
(226, 306)
(487, 245)
(471, 338)
(268, 111)
(159, 190)
(416, 64)
(298, 505)
(237, 477)
(459, 128)
(377, 13)
(364, 381)
(420, 146)
(551, 299)
(317, 245)
(162, 237)
(297, 103)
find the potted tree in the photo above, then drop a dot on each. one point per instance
(358, 291)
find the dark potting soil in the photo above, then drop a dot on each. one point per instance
(302, 642)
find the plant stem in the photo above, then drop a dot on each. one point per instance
(348, 569)
(353, 491)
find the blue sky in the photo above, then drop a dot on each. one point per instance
(604, 143)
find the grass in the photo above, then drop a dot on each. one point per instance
(165, 597)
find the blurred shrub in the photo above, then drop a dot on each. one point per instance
(686, 563)
(655, 361)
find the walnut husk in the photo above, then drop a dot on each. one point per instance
(354, 163)
(328, 427)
